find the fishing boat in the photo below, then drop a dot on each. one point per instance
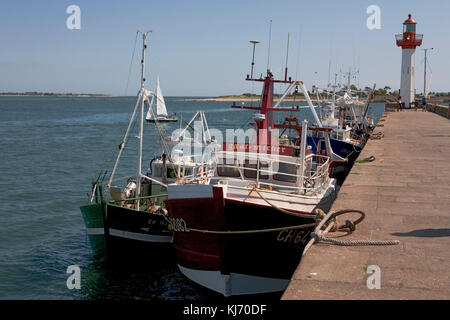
(160, 114)
(346, 115)
(131, 219)
(242, 231)
(353, 107)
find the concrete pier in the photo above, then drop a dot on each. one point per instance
(405, 194)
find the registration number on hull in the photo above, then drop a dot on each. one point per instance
(178, 225)
(293, 236)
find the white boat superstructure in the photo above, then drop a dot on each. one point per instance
(280, 181)
(177, 165)
(346, 115)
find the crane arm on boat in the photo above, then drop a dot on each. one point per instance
(310, 104)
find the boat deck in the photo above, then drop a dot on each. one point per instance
(405, 194)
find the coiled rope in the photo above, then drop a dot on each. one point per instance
(376, 136)
(329, 224)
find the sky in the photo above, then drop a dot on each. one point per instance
(201, 48)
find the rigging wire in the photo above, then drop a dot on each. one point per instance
(298, 52)
(108, 161)
(131, 63)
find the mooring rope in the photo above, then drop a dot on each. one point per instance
(230, 232)
(376, 136)
(354, 150)
(319, 234)
(365, 160)
(359, 242)
(295, 214)
(324, 224)
(295, 227)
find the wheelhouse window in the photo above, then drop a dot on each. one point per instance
(286, 172)
(250, 169)
(171, 172)
(157, 171)
(187, 172)
(225, 169)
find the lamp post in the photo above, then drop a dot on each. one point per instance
(425, 73)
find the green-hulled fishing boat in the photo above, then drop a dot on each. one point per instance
(125, 219)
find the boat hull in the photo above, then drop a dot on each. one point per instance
(136, 234)
(236, 264)
(127, 233)
(163, 120)
(341, 148)
(93, 219)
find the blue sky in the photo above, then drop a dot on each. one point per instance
(201, 47)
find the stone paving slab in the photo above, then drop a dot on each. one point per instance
(405, 194)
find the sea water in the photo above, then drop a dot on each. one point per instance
(52, 149)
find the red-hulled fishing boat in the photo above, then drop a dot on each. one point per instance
(243, 230)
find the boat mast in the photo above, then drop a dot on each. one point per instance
(141, 120)
(303, 138)
(333, 101)
(287, 56)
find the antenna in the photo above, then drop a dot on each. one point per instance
(287, 56)
(298, 52)
(329, 63)
(359, 67)
(253, 56)
(270, 38)
(144, 48)
(349, 76)
(329, 70)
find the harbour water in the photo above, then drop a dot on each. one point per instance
(52, 149)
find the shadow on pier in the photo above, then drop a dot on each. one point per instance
(424, 233)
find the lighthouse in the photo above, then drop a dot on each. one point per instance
(409, 40)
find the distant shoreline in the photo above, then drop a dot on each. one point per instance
(14, 94)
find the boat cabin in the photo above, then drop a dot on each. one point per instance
(272, 171)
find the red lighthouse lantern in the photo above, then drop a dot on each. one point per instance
(409, 39)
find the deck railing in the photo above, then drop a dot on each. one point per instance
(266, 172)
(145, 202)
(257, 168)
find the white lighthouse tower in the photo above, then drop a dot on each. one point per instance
(409, 40)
